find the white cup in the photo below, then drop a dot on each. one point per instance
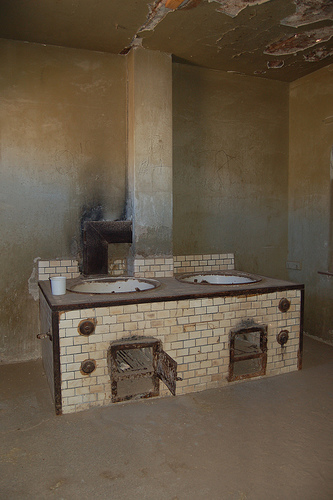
(58, 285)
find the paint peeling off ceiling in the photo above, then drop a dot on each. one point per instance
(157, 13)
(299, 41)
(318, 54)
(237, 36)
(233, 7)
(309, 12)
(161, 8)
(277, 64)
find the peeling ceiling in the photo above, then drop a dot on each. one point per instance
(276, 39)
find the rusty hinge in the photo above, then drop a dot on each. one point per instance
(43, 336)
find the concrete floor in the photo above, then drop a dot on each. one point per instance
(262, 439)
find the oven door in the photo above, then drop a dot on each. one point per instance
(167, 371)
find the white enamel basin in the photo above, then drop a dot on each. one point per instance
(230, 278)
(112, 285)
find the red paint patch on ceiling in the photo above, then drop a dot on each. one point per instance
(277, 64)
(308, 12)
(299, 41)
(318, 54)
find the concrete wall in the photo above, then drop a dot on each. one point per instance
(63, 158)
(150, 152)
(230, 164)
(311, 196)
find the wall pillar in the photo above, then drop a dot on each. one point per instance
(149, 201)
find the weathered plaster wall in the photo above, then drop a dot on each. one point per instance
(63, 157)
(311, 196)
(230, 136)
(63, 154)
(150, 151)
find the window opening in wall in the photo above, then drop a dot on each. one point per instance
(248, 353)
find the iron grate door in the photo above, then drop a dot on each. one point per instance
(136, 366)
(248, 353)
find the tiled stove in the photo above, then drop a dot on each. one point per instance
(215, 334)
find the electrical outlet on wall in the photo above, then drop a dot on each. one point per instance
(295, 266)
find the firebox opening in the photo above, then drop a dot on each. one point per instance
(248, 353)
(136, 366)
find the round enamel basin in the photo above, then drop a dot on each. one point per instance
(222, 278)
(112, 285)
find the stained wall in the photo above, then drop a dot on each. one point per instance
(230, 168)
(311, 197)
(63, 159)
(64, 154)
(150, 152)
